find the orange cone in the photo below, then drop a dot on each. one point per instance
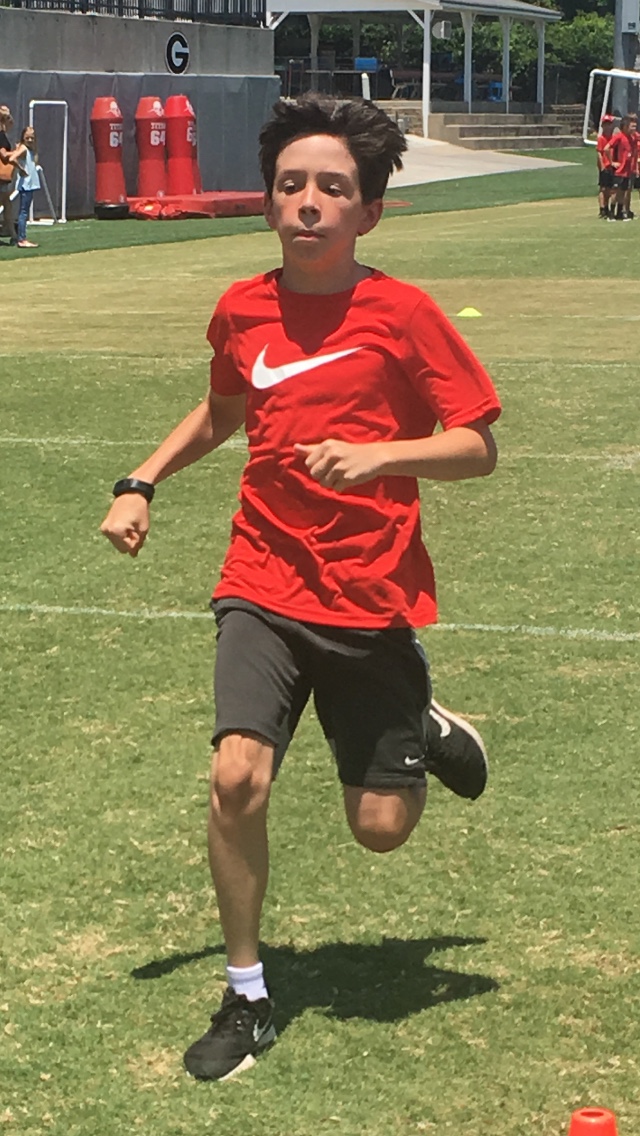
(593, 1122)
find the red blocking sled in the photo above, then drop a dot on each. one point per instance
(593, 1122)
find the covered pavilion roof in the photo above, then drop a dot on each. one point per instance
(514, 8)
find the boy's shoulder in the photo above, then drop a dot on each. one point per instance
(248, 297)
(407, 297)
(251, 284)
(400, 288)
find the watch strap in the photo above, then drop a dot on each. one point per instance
(134, 485)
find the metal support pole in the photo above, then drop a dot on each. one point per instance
(506, 22)
(540, 74)
(356, 25)
(425, 24)
(467, 23)
(315, 23)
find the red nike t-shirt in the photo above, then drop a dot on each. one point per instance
(602, 142)
(624, 150)
(378, 362)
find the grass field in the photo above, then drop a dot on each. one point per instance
(481, 981)
(577, 179)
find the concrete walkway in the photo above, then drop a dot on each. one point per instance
(427, 160)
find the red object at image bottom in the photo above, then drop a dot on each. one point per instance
(176, 206)
(593, 1122)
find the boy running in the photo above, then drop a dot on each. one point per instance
(340, 375)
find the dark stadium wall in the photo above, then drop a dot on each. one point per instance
(59, 41)
(229, 111)
(76, 58)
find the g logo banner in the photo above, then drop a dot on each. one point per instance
(177, 54)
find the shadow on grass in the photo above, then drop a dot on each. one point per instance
(383, 982)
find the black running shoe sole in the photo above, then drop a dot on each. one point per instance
(250, 1060)
(467, 728)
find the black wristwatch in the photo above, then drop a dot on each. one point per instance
(133, 485)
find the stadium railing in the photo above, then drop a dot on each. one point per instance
(242, 12)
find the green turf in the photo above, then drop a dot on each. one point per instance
(483, 979)
(435, 197)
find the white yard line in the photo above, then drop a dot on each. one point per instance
(18, 440)
(601, 365)
(620, 459)
(493, 628)
(572, 316)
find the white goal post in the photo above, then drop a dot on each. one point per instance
(614, 73)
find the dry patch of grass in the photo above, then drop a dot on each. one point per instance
(155, 1068)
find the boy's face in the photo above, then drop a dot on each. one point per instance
(316, 207)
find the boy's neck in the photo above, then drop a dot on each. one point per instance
(309, 280)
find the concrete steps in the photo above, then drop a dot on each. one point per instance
(531, 129)
(521, 142)
(503, 131)
(406, 112)
(492, 130)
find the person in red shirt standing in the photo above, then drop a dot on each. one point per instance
(635, 177)
(622, 151)
(340, 375)
(605, 167)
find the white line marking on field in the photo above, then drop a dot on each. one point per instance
(17, 440)
(573, 316)
(601, 365)
(143, 613)
(622, 460)
(495, 628)
(107, 355)
(548, 632)
(628, 459)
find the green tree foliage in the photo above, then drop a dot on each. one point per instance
(583, 43)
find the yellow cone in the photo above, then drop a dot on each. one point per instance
(470, 313)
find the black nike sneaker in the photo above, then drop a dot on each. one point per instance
(239, 1031)
(455, 753)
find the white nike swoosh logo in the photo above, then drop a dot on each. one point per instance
(445, 726)
(412, 760)
(263, 377)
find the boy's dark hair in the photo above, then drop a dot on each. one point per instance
(626, 120)
(374, 141)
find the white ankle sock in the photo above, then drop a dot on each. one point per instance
(248, 980)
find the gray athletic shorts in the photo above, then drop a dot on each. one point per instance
(371, 690)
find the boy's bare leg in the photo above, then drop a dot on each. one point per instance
(238, 842)
(239, 861)
(383, 819)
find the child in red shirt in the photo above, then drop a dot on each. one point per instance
(339, 374)
(622, 150)
(605, 166)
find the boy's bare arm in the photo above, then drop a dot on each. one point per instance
(453, 455)
(216, 418)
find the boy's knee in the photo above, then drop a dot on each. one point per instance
(382, 820)
(240, 775)
(377, 838)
